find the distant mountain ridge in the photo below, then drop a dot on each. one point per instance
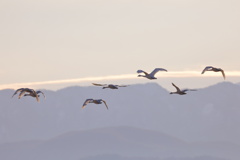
(115, 143)
(209, 114)
(117, 157)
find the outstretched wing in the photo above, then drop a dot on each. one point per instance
(35, 95)
(96, 84)
(141, 71)
(42, 94)
(122, 85)
(207, 69)
(105, 103)
(18, 90)
(156, 70)
(21, 93)
(86, 102)
(178, 90)
(185, 90)
(223, 74)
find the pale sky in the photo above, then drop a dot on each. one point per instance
(75, 42)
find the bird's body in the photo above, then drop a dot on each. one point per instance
(95, 101)
(34, 95)
(111, 86)
(181, 92)
(151, 75)
(26, 90)
(210, 68)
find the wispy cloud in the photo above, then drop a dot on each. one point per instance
(68, 81)
(173, 74)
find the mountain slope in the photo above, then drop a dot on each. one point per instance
(209, 114)
(124, 141)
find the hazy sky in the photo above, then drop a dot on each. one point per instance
(52, 40)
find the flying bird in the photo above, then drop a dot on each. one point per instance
(111, 86)
(34, 95)
(25, 90)
(151, 75)
(210, 68)
(181, 92)
(96, 101)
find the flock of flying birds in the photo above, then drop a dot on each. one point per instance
(36, 94)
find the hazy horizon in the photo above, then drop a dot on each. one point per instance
(164, 80)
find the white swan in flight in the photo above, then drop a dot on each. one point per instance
(34, 95)
(111, 86)
(95, 101)
(181, 92)
(210, 68)
(151, 75)
(25, 90)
